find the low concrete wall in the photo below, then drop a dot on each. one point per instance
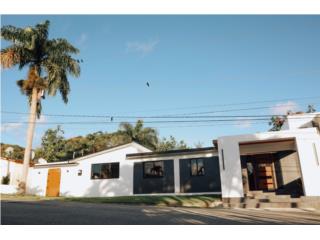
(8, 189)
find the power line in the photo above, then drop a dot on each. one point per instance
(162, 121)
(230, 104)
(138, 117)
(237, 109)
(184, 115)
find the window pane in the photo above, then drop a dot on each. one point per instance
(153, 169)
(158, 169)
(105, 171)
(95, 171)
(148, 168)
(194, 171)
(115, 170)
(200, 167)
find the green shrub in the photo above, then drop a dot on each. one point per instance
(5, 180)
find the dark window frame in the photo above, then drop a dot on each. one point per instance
(113, 176)
(197, 164)
(152, 176)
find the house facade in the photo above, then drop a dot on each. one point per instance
(285, 162)
(106, 173)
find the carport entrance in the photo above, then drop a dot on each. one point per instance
(271, 166)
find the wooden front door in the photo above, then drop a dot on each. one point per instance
(261, 172)
(53, 182)
(265, 177)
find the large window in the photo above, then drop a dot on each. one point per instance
(105, 171)
(153, 169)
(197, 167)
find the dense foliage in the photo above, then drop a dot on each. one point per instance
(54, 147)
(17, 152)
(276, 123)
(49, 61)
(170, 144)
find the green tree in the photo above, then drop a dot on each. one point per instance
(17, 153)
(311, 109)
(276, 122)
(52, 145)
(170, 144)
(75, 147)
(49, 62)
(146, 136)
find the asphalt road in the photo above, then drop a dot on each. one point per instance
(59, 212)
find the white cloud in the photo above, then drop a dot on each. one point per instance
(283, 108)
(42, 119)
(82, 39)
(143, 48)
(7, 127)
(243, 123)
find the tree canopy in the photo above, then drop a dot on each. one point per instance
(55, 147)
(49, 61)
(17, 153)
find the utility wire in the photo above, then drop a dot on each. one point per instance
(231, 104)
(184, 115)
(139, 117)
(162, 121)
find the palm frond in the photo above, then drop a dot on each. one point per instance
(60, 45)
(9, 57)
(42, 29)
(64, 88)
(16, 35)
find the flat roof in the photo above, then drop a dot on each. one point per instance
(171, 153)
(266, 141)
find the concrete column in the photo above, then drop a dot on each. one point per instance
(310, 170)
(176, 170)
(230, 168)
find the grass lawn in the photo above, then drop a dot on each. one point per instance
(176, 201)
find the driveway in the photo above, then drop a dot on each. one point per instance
(59, 212)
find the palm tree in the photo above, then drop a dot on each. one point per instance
(49, 62)
(144, 135)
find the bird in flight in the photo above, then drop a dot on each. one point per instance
(111, 119)
(148, 84)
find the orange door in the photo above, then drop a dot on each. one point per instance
(266, 177)
(53, 182)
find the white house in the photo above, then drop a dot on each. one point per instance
(105, 173)
(285, 162)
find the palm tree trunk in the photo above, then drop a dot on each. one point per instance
(27, 152)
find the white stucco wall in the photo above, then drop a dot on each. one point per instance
(231, 177)
(14, 170)
(309, 163)
(297, 121)
(83, 186)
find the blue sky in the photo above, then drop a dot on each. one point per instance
(193, 64)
